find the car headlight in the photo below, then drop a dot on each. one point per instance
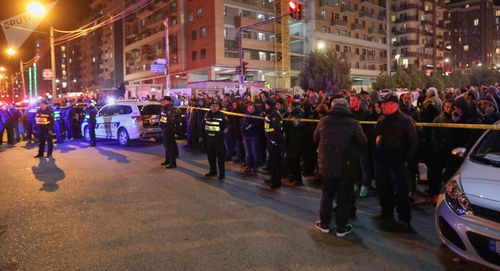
(456, 198)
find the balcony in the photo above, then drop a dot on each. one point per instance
(429, 44)
(405, 31)
(350, 9)
(371, 58)
(369, 3)
(406, 19)
(327, 3)
(403, 6)
(244, 21)
(355, 26)
(337, 22)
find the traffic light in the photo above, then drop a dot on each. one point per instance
(300, 11)
(245, 66)
(293, 8)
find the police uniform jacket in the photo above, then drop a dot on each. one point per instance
(58, 114)
(167, 117)
(272, 125)
(215, 123)
(44, 119)
(91, 112)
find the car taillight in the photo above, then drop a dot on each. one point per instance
(137, 118)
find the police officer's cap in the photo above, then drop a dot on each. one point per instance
(44, 102)
(167, 98)
(390, 97)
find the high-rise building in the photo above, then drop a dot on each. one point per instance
(418, 34)
(99, 54)
(474, 29)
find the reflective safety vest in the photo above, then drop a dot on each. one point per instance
(57, 115)
(212, 126)
(42, 119)
(267, 125)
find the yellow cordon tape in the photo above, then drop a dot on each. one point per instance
(423, 124)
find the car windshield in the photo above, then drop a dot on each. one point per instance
(488, 149)
(150, 109)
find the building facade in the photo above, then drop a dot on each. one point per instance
(474, 29)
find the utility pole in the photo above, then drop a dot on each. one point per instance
(53, 63)
(167, 81)
(22, 78)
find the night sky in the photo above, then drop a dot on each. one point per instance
(66, 15)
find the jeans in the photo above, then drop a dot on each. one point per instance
(252, 152)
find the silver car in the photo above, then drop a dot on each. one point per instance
(468, 212)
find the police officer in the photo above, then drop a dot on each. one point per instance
(69, 117)
(272, 128)
(58, 122)
(44, 121)
(167, 125)
(215, 127)
(30, 120)
(91, 114)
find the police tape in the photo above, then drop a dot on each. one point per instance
(421, 124)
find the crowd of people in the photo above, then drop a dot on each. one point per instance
(287, 136)
(314, 134)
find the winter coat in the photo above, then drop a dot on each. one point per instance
(340, 138)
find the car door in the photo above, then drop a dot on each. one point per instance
(99, 127)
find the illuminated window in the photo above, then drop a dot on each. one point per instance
(203, 32)
(198, 12)
(393, 18)
(323, 14)
(476, 22)
(262, 56)
(466, 48)
(261, 17)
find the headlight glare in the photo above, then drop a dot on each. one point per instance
(456, 198)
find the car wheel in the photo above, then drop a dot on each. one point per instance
(123, 137)
(86, 133)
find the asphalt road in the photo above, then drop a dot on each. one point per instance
(116, 208)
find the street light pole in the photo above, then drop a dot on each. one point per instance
(22, 78)
(53, 63)
(167, 83)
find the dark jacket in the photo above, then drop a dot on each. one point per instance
(295, 133)
(214, 124)
(272, 125)
(91, 112)
(68, 114)
(339, 137)
(396, 138)
(167, 117)
(251, 127)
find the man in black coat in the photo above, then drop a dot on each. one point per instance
(396, 142)
(340, 138)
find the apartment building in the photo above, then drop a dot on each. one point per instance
(99, 54)
(418, 34)
(202, 41)
(474, 29)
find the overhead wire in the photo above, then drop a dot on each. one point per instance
(100, 22)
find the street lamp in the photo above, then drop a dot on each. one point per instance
(37, 9)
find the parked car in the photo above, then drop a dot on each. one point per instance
(468, 212)
(126, 120)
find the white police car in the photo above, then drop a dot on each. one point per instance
(127, 120)
(468, 212)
